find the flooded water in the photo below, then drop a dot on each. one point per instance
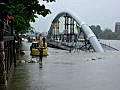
(113, 43)
(68, 71)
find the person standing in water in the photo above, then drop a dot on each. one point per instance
(40, 41)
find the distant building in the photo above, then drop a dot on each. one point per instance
(117, 27)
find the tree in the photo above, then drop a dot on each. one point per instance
(108, 34)
(96, 30)
(24, 12)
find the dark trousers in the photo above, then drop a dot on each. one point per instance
(41, 54)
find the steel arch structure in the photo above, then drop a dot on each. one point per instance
(84, 27)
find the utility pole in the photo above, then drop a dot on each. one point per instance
(3, 83)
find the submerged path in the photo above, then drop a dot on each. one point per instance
(68, 71)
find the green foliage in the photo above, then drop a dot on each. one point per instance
(105, 34)
(108, 34)
(96, 30)
(24, 12)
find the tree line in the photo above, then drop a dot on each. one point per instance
(105, 34)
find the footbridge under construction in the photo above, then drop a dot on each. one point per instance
(70, 32)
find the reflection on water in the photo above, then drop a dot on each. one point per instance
(68, 71)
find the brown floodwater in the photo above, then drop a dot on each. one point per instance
(62, 70)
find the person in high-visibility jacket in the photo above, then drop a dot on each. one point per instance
(40, 40)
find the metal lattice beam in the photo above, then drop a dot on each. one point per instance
(89, 35)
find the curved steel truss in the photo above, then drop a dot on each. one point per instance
(84, 39)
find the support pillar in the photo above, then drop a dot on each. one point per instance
(72, 34)
(66, 27)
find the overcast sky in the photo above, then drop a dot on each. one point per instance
(94, 12)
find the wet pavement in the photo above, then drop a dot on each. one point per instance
(68, 71)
